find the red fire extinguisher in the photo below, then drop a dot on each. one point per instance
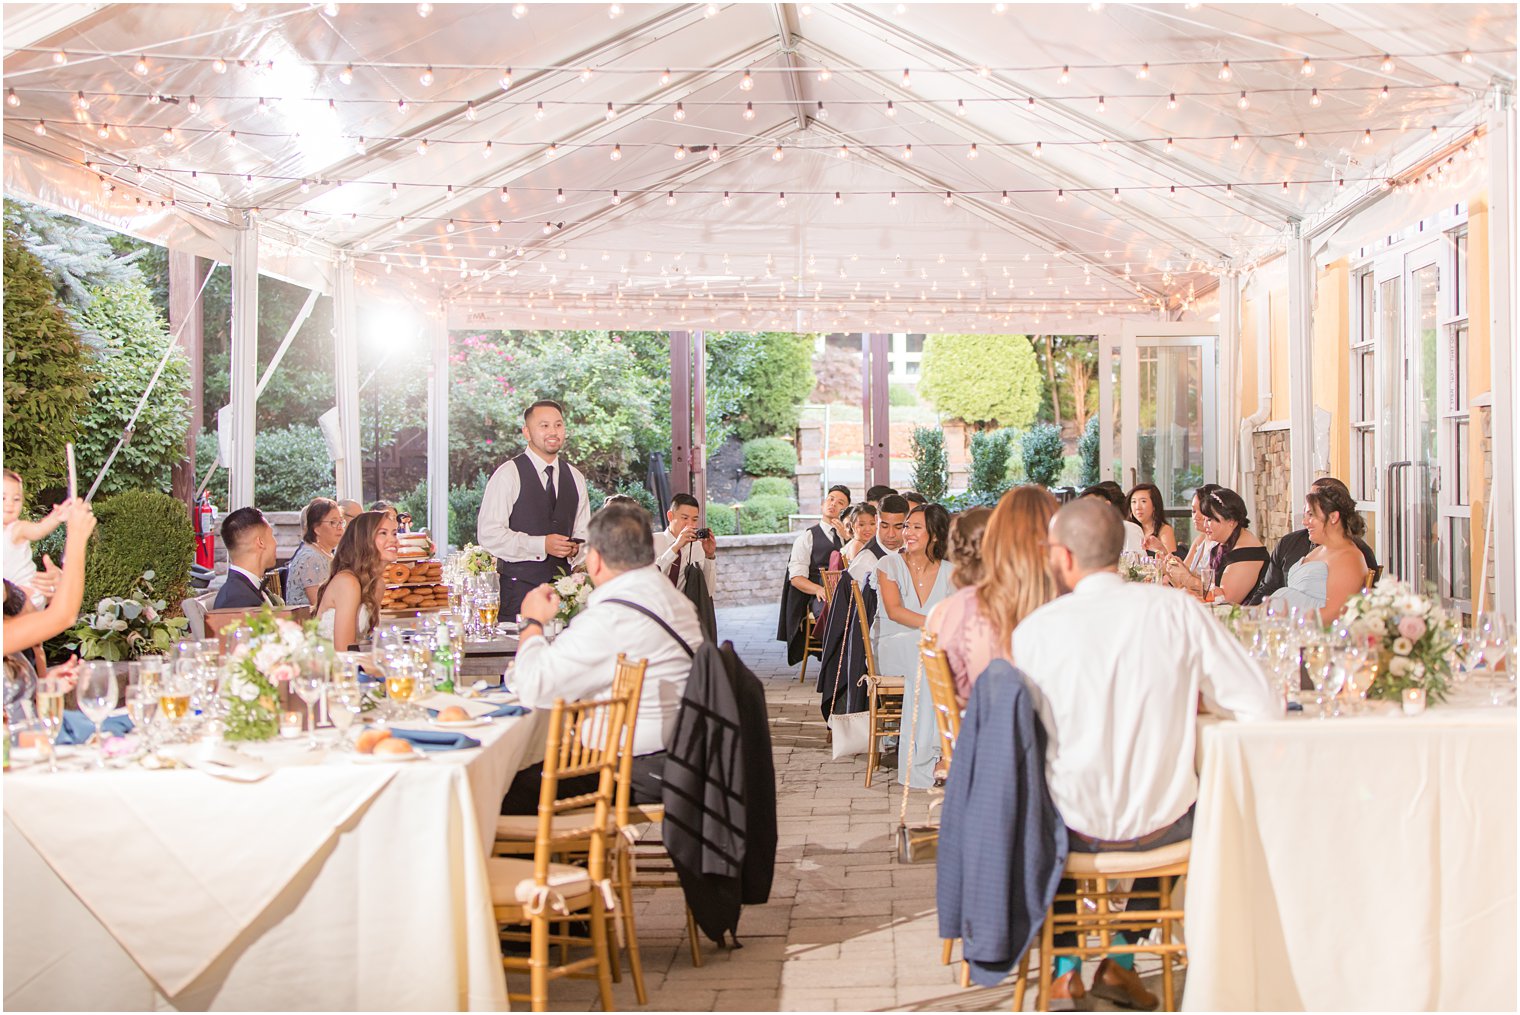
(205, 532)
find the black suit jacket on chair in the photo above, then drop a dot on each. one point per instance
(238, 592)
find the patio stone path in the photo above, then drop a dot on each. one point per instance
(847, 928)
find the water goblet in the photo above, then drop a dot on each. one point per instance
(344, 702)
(312, 668)
(1319, 662)
(174, 702)
(50, 692)
(96, 694)
(1491, 631)
(142, 709)
(487, 606)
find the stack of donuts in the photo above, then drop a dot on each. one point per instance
(412, 586)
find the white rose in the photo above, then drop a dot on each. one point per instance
(267, 655)
(1399, 666)
(1376, 626)
(1402, 646)
(243, 689)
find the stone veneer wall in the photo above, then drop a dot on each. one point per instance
(1271, 516)
(287, 534)
(751, 568)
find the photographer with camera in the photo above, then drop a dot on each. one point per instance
(683, 543)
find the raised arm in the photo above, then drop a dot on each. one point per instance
(26, 630)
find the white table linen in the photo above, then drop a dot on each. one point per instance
(365, 885)
(1362, 863)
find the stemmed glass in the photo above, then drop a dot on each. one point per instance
(50, 694)
(313, 666)
(344, 701)
(142, 708)
(1318, 661)
(96, 694)
(400, 685)
(174, 699)
(1491, 634)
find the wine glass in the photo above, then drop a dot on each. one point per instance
(344, 701)
(312, 668)
(96, 694)
(1319, 662)
(400, 685)
(174, 700)
(142, 708)
(487, 606)
(50, 694)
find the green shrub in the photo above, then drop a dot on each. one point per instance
(135, 339)
(768, 514)
(769, 456)
(1089, 448)
(139, 531)
(1044, 458)
(930, 467)
(291, 467)
(47, 378)
(776, 377)
(464, 507)
(773, 486)
(993, 379)
(720, 518)
(989, 463)
(902, 396)
(640, 493)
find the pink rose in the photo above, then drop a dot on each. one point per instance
(282, 673)
(1412, 628)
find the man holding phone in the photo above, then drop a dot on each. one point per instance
(535, 511)
(685, 542)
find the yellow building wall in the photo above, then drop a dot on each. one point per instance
(1332, 359)
(1278, 350)
(1248, 346)
(1479, 372)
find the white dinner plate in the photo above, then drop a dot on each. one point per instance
(460, 724)
(382, 759)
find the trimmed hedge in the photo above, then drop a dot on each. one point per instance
(139, 531)
(1088, 447)
(773, 486)
(931, 469)
(770, 456)
(720, 518)
(1044, 457)
(767, 514)
(989, 463)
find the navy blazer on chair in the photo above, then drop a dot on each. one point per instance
(1002, 843)
(238, 592)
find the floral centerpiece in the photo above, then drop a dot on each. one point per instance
(1412, 635)
(265, 658)
(573, 590)
(125, 627)
(476, 560)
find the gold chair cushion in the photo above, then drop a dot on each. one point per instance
(887, 683)
(512, 881)
(1092, 865)
(524, 827)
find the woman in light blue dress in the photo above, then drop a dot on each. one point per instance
(1335, 569)
(912, 583)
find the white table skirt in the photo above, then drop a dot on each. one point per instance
(1355, 864)
(391, 911)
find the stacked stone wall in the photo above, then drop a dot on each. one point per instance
(1272, 515)
(752, 568)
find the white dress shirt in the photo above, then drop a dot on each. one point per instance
(1134, 537)
(506, 543)
(864, 566)
(579, 663)
(1116, 668)
(802, 551)
(665, 554)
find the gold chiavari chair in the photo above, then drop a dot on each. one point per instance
(947, 719)
(813, 640)
(584, 737)
(1093, 915)
(884, 694)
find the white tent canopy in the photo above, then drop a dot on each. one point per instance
(1143, 150)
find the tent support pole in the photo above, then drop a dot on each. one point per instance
(438, 430)
(1502, 340)
(875, 406)
(245, 355)
(350, 475)
(680, 412)
(1300, 367)
(698, 353)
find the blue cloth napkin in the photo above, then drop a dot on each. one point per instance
(510, 709)
(77, 727)
(430, 740)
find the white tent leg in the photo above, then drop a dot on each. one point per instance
(1501, 268)
(350, 477)
(245, 355)
(438, 430)
(1300, 367)
(1229, 371)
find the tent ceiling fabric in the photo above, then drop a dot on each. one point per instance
(818, 207)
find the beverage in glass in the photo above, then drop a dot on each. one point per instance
(344, 701)
(96, 694)
(487, 604)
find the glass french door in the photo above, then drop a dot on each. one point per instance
(1157, 385)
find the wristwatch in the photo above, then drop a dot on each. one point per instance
(524, 622)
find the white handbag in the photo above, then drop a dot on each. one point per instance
(852, 730)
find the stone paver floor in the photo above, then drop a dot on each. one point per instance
(847, 927)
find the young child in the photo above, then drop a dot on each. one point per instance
(20, 533)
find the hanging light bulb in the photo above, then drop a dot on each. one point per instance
(426, 77)
(680, 113)
(41, 129)
(219, 65)
(1170, 148)
(140, 68)
(1383, 95)
(80, 102)
(11, 98)
(1243, 103)
(843, 151)
(1301, 141)
(891, 108)
(1065, 76)
(1144, 72)
(103, 131)
(1235, 143)
(1467, 56)
(505, 81)
(470, 112)
(487, 150)
(727, 201)
(712, 154)
(1314, 99)
(538, 111)
(400, 105)
(1367, 136)
(1387, 65)
(893, 199)
(907, 153)
(614, 10)
(1225, 73)
(264, 106)
(449, 226)
(778, 154)
(971, 152)
(1039, 149)
(781, 200)
(680, 152)
(822, 113)
(960, 107)
(907, 79)
(1060, 197)
(617, 152)
(422, 147)
(552, 151)
(154, 98)
(62, 58)
(949, 200)
(1171, 101)
(1101, 106)
(749, 110)
(506, 195)
(670, 199)
(559, 195)
(423, 10)
(747, 82)
(519, 11)
(824, 74)
(611, 112)
(585, 74)
(168, 135)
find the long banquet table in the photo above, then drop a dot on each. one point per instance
(1357, 863)
(330, 884)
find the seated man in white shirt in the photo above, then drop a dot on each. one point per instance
(1115, 669)
(685, 542)
(579, 663)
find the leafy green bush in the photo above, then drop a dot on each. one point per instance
(290, 468)
(775, 379)
(640, 493)
(902, 396)
(930, 466)
(989, 462)
(773, 486)
(464, 507)
(1089, 447)
(47, 378)
(769, 456)
(139, 531)
(126, 627)
(720, 518)
(135, 339)
(993, 379)
(1044, 458)
(767, 514)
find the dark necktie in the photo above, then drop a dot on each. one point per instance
(549, 486)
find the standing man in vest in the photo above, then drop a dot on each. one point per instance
(804, 578)
(535, 512)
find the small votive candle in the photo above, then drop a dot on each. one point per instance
(290, 724)
(1414, 700)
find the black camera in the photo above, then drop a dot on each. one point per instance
(704, 533)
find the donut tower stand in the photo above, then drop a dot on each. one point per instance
(414, 583)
